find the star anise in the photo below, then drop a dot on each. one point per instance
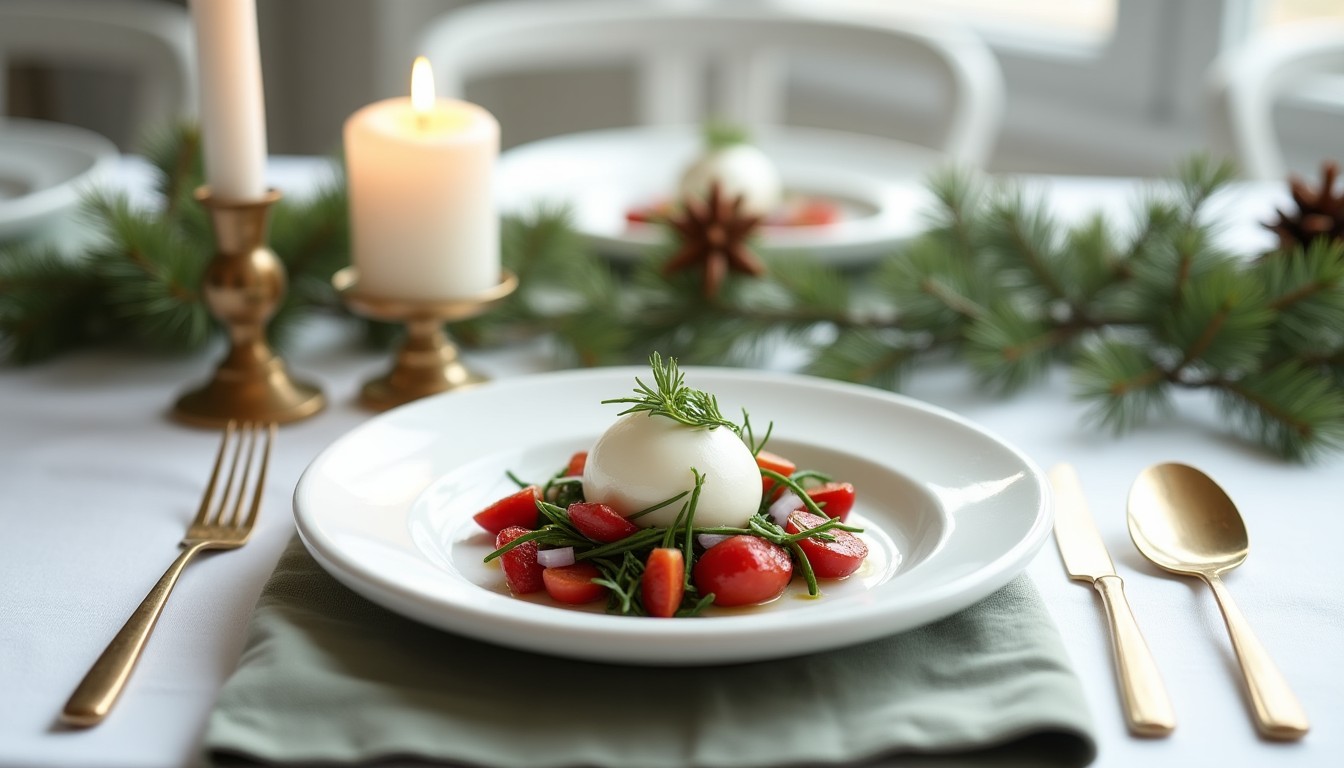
(713, 234)
(1320, 211)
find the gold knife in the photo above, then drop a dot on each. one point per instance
(1147, 707)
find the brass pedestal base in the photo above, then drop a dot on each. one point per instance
(427, 362)
(243, 285)
(257, 390)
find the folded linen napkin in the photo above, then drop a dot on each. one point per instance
(328, 677)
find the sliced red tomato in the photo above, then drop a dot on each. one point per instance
(743, 570)
(600, 522)
(830, 559)
(815, 213)
(573, 584)
(664, 582)
(521, 569)
(835, 499)
(775, 463)
(518, 509)
(576, 464)
(649, 214)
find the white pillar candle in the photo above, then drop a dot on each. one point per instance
(423, 224)
(233, 111)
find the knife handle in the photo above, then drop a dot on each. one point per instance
(1147, 707)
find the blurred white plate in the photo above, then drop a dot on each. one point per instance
(44, 167)
(602, 175)
(950, 512)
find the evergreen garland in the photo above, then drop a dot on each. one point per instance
(1138, 311)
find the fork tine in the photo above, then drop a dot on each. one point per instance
(261, 479)
(232, 490)
(229, 516)
(203, 513)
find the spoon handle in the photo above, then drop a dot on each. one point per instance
(1278, 713)
(1148, 710)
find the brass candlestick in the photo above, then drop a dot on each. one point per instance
(243, 286)
(427, 362)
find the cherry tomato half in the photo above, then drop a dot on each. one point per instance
(836, 499)
(577, 462)
(664, 582)
(829, 559)
(573, 584)
(776, 463)
(521, 569)
(518, 509)
(600, 522)
(743, 570)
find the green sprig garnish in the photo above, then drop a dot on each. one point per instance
(670, 397)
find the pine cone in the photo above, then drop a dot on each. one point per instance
(1320, 212)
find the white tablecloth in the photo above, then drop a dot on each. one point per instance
(96, 487)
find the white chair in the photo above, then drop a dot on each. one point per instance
(744, 44)
(1247, 82)
(151, 40)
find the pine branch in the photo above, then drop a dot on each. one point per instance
(48, 304)
(1138, 311)
(1297, 412)
(1123, 384)
(865, 356)
(1009, 348)
(152, 274)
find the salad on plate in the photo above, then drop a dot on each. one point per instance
(742, 170)
(673, 509)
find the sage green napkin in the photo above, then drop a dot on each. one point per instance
(328, 677)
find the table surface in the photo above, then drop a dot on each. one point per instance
(96, 487)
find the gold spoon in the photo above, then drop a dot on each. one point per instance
(1183, 522)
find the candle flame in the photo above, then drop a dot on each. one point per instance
(422, 85)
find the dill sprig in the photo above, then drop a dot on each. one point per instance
(670, 397)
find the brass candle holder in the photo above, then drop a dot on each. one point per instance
(427, 362)
(243, 285)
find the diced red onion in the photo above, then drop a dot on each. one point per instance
(554, 558)
(783, 506)
(708, 540)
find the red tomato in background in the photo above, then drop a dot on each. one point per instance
(573, 584)
(600, 522)
(836, 499)
(521, 569)
(577, 462)
(776, 463)
(830, 559)
(518, 509)
(815, 213)
(743, 570)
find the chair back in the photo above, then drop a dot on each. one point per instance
(150, 40)
(1247, 82)
(744, 45)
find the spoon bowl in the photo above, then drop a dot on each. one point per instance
(1183, 522)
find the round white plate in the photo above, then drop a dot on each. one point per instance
(43, 169)
(602, 175)
(950, 512)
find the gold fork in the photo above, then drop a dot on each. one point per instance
(224, 523)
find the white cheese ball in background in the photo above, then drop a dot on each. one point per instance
(740, 169)
(642, 460)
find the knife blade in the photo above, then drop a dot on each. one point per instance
(1148, 710)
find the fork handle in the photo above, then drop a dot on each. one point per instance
(99, 689)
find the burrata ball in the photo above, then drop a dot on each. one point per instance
(645, 459)
(740, 170)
